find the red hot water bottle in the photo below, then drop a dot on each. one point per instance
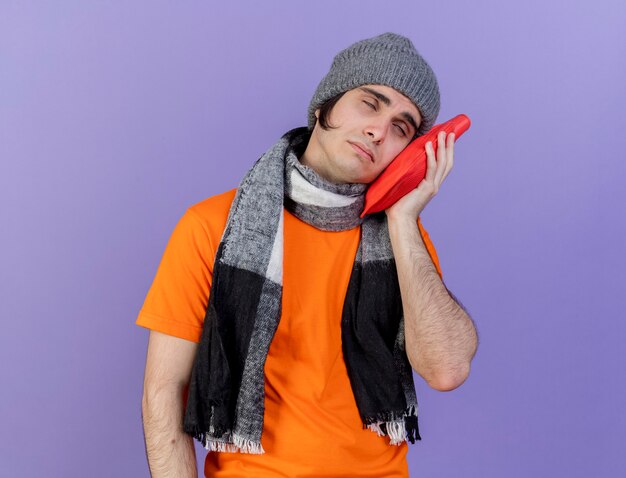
(408, 169)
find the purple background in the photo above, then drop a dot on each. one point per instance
(117, 116)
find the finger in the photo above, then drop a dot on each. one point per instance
(431, 163)
(450, 154)
(441, 158)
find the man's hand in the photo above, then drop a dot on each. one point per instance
(412, 205)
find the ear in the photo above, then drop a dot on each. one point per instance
(317, 113)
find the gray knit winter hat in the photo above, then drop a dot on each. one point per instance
(388, 59)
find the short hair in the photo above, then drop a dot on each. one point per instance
(325, 110)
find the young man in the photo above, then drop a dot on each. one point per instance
(284, 328)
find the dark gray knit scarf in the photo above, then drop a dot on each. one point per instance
(226, 394)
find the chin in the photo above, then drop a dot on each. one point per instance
(358, 179)
(358, 175)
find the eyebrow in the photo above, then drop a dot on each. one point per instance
(407, 116)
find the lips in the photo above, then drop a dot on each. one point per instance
(362, 150)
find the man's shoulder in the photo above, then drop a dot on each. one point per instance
(214, 207)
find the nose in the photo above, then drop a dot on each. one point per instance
(376, 130)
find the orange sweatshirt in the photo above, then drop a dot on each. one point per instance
(311, 423)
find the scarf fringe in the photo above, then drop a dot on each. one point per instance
(231, 444)
(394, 426)
(248, 446)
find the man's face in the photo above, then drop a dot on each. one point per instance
(373, 124)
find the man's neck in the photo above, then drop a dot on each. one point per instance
(313, 157)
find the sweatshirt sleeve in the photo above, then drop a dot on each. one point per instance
(430, 247)
(177, 300)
